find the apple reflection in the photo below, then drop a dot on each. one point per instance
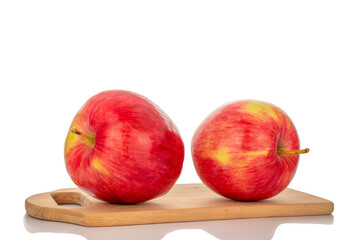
(259, 228)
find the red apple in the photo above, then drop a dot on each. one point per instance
(246, 150)
(122, 148)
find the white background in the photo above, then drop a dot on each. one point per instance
(189, 57)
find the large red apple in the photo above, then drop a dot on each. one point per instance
(121, 148)
(246, 150)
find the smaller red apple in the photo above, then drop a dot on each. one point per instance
(246, 150)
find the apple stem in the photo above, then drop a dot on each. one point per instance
(306, 150)
(74, 130)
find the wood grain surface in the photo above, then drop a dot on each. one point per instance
(184, 202)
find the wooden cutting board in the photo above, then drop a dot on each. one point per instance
(184, 203)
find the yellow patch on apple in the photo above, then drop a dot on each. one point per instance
(71, 141)
(222, 155)
(257, 108)
(255, 153)
(95, 163)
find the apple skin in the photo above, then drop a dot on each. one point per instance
(235, 150)
(129, 151)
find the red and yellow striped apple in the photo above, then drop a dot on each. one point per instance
(246, 150)
(122, 148)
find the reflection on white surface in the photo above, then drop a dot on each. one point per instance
(260, 228)
(185, 233)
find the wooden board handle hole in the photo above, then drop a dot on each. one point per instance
(70, 199)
